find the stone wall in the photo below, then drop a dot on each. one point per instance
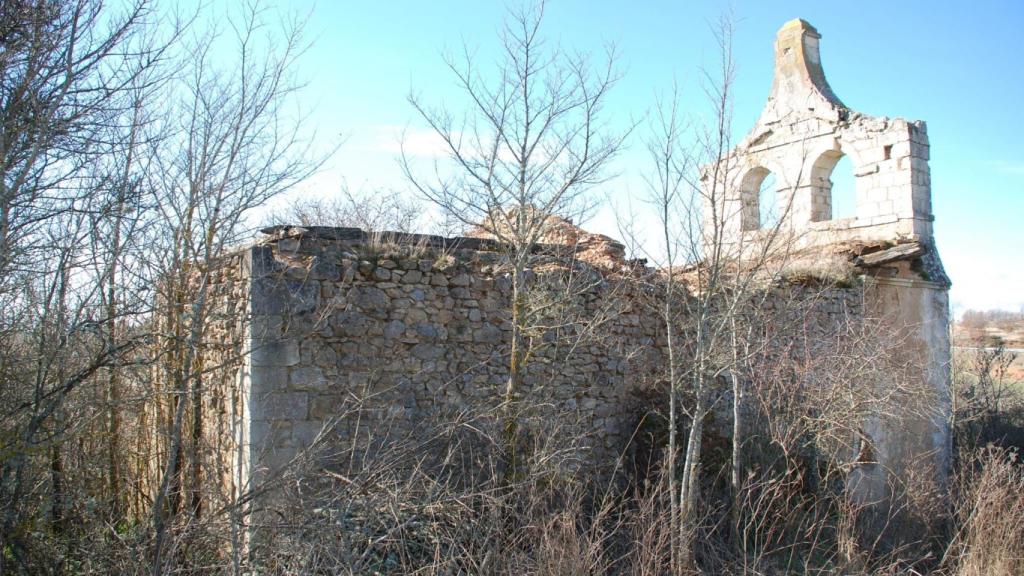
(421, 334)
(222, 362)
(340, 338)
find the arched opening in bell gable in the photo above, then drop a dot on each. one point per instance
(834, 194)
(759, 194)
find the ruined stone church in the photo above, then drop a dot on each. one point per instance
(416, 327)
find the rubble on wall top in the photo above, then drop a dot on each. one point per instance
(595, 249)
(359, 236)
(921, 258)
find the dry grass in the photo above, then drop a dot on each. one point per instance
(989, 513)
(835, 269)
(433, 501)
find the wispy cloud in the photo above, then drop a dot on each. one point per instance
(417, 142)
(425, 143)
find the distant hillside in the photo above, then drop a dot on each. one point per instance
(990, 327)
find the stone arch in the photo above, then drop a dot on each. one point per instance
(752, 211)
(823, 190)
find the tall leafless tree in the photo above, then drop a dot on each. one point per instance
(131, 159)
(71, 74)
(711, 281)
(530, 143)
(233, 143)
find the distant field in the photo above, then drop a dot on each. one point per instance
(991, 329)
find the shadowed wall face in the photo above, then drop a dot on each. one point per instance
(419, 336)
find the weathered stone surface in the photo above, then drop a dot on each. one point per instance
(350, 323)
(283, 352)
(281, 406)
(371, 298)
(325, 269)
(305, 433)
(487, 334)
(415, 315)
(426, 330)
(267, 328)
(427, 351)
(394, 329)
(307, 378)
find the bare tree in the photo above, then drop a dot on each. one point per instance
(72, 74)
(987, 402)
(530, 144)
(371, 210)
(65, 70)
(712, 284)
(233, 144)
(732, 305)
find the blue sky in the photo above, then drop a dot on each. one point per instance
(954, 65)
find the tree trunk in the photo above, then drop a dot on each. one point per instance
(517, 359)
(673, 426)
(737, 450)
(195, 479)
(689, 486)
(57, 490)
